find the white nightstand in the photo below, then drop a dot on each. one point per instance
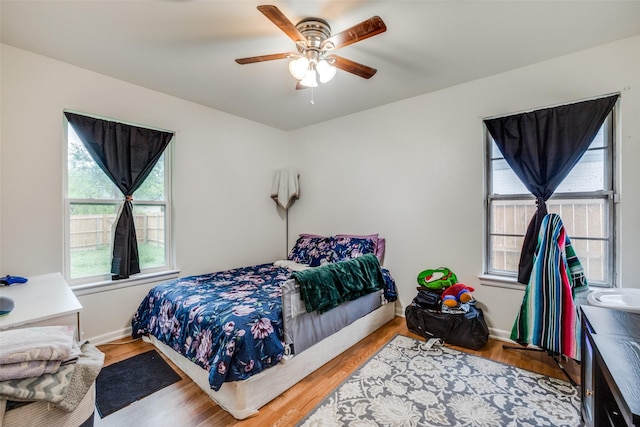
(45, 300)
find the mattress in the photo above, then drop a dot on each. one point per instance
(303, 329)
(231, 323)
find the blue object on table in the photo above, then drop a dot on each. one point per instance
(12, 280)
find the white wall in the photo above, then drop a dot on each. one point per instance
(413, 170)
(224, 167)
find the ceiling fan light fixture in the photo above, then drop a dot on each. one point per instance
(298, 67)
(326, 71)
(313, 38)
(310, 79)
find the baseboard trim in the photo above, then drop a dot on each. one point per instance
(498, 334)
(110, 336)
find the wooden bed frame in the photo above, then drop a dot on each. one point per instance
(243, 399)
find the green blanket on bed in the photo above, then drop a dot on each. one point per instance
(323, 288)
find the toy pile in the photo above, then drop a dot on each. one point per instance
(442, 284)
(446, 309)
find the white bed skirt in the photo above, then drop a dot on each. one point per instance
(243, 399)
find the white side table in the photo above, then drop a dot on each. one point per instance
(45, 300)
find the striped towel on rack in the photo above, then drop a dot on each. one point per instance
(548, 317)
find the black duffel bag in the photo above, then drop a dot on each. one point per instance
(428, 299)
(467, 330)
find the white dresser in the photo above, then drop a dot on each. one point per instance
(45, 300)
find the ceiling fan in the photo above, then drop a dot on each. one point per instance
(313, 63)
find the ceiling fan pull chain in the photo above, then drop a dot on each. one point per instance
(312, 101)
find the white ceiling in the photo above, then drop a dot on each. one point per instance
(187, 48)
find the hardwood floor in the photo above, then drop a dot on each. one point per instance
(184, 404)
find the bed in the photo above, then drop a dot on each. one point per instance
(246, 335)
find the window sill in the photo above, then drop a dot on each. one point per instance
(501, 282)
(111, 285)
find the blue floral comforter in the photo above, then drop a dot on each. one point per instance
(228, 322)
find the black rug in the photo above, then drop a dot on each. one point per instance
(122, 383)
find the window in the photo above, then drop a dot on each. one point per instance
(584, 200)
(92, 203)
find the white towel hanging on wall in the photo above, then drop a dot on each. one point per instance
(286, 187)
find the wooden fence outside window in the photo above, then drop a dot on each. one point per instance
(585, 223)
(94, 231)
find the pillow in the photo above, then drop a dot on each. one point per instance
(291, 265)
(346, 248)
(320, 260)
(380, 247)
(322, 253)
(309, 246)
(379, 242)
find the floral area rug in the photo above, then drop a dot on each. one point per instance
(408, 384)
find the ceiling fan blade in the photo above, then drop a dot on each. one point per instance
(358, 32)
(281, 21)
(352, 67)
(300, 87)
(262, 58)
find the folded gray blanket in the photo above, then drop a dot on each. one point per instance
(64, 388)
(31, 352)
(48, 387)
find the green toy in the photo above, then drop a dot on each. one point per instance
(437, 279)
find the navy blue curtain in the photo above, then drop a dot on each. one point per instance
(127, 154)
(542, 147)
